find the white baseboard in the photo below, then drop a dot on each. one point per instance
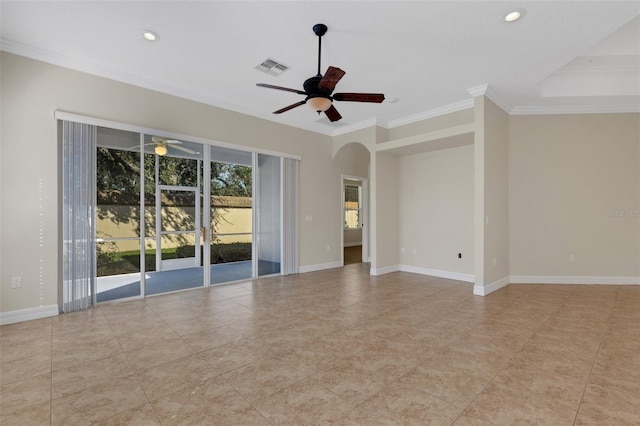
(566, 279)
(483, 290)
(458, 276)
(384, 270)
(20, 315)
(319, 267)
(353, 244)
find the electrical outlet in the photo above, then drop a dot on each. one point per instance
(16, 282)
(459, 255)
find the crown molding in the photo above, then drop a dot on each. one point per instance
(607, 70)
(436, 112)
(480, 90)
(577, 109)
(491, 93)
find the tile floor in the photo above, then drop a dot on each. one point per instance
(335, 346)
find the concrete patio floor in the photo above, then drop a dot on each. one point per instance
(128, 285)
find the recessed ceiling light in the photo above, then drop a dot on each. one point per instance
(150, 35)
(514, 15)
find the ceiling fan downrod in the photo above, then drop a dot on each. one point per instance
(319, 30)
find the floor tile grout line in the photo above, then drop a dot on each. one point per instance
(595, 359)
(119, 344)
(131, 367)
(506, 365)
(246, 399)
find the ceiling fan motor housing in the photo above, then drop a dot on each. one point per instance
(312, 89)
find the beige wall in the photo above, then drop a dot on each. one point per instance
(352, 237)
(385, 241)
(436, 210)
(33, 90)
(494, 126)
(575, 190)
(366, 137)
(436, 123)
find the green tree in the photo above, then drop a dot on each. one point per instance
(230, 179)
(118, 178)
(119, 170)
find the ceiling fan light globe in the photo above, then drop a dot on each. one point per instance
(319, 104)
(160, 150)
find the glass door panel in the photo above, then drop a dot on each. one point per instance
(268, 215)
(231, 214)
(117, 214)
(173, 218)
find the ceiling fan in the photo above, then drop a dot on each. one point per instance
(162, 145)
(318, 88)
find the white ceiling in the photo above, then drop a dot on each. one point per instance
(563, 56)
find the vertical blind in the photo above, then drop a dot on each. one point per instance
(78, 227)
(290, 215)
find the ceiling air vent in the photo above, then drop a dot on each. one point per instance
(272, 67)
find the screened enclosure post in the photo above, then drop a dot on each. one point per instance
(206, 214)
(255, 212)
(143, 231)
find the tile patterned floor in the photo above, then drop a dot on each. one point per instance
(333, 347)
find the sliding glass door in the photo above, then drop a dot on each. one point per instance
(173, 214)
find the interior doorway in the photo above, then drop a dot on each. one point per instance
(355, 229)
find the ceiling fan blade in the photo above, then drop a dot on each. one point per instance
(359, 97)
(271, 86)
(333, 114)
(331, 78)
(287, 108)
(183, 149)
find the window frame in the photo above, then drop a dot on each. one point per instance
(347, 209)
